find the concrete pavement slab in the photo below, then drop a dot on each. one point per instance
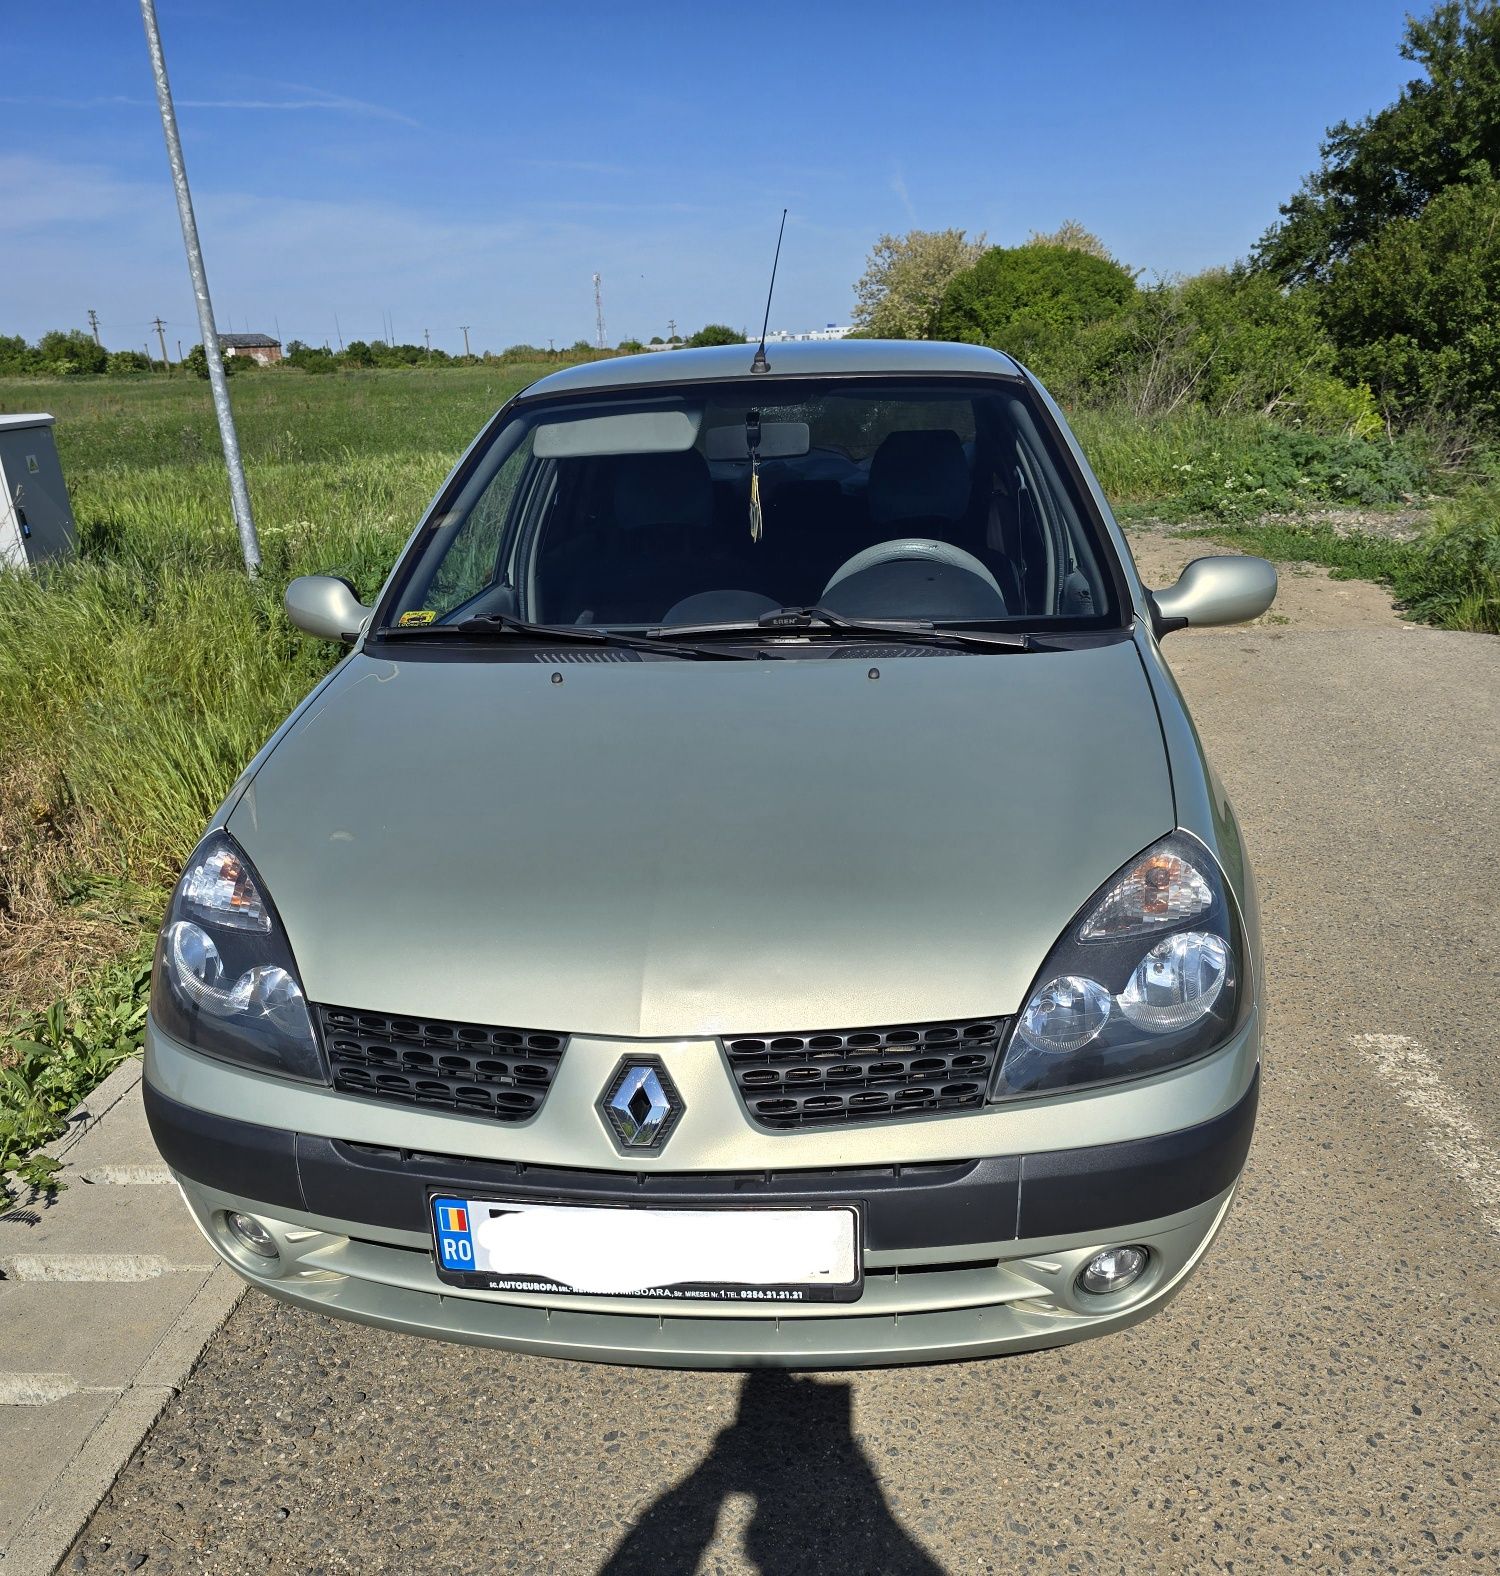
(36, 1444)
(108, 1224)
(97, 1334)
(109, 1295)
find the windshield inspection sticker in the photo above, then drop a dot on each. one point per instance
(421, 616)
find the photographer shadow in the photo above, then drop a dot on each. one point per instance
(818, 1505)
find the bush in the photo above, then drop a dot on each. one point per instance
(717, 334)
(70, 354)
(1032, 301)
(1417, 309)
(1457, 580)
(1194, 465)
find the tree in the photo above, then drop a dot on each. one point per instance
(1443, 130)
(16, 356)
(1416, 310)
(1032, 301)
(717, 334)
(1073, 235)
(630, 347)
(196, 361)
(357, 353)
(122, 362)
(71, 353)
(904, 280)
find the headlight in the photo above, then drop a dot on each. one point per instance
(1146, 976)
(225, 982)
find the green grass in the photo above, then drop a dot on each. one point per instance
(1449, 576)
(50, 1061)
(1195, 465)
(280, 416)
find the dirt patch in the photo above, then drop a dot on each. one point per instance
(1308, 597)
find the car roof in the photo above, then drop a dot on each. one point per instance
(788, 358)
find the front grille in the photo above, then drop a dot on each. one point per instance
(500, 1073)
(861, 1075)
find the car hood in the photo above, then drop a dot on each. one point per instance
(673, 848)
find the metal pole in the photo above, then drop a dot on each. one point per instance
(239, 493)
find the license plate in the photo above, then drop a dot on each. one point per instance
(735, 1254)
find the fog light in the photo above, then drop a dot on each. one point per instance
(249, 1233)
(1113, 1270)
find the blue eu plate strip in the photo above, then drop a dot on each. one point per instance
(450, 1224)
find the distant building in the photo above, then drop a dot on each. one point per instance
(259, 347)
(828, 331)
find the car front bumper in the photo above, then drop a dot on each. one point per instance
(963, 1257)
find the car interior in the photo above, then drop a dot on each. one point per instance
(871, 506)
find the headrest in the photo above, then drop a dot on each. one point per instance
(918, 476)
(663, 489)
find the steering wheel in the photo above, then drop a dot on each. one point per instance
(914, 549)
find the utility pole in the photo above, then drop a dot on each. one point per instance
(239, 493)
(427, 340)
(599, 310)
(179, 350)
(150, 359)
(464, 330)
(161, 340)
(671, 329)
(94, 324)
(339, 331)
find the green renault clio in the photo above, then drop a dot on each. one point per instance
(751, 895)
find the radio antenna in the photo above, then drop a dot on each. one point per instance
(760, 364)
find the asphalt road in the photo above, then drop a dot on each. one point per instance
(1323, 1396)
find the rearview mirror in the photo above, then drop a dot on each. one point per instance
(1227, 590)
(326, 606)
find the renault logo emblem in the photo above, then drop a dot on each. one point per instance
(641, 1104)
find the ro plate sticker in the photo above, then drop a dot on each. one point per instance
(450, 1220)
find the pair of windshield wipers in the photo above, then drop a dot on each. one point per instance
(686, 640)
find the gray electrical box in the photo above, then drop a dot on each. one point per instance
(36, 519)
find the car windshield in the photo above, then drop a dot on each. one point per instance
(720, 503)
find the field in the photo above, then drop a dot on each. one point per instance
(136, 681)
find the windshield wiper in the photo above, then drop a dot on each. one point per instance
(491, 624)
(911, 631)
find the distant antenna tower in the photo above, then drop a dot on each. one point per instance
(599, 310)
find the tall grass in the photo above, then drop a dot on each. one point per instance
(1233, 467)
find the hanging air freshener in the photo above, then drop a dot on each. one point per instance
(752, 444)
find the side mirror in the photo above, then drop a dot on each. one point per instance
(326, 606)
(1227, 590)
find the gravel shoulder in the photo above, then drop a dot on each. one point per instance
(1321, 1396)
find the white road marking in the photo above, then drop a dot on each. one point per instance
(129, 1176)
(88, 1266)
(1451, 1133)
(35, 1389)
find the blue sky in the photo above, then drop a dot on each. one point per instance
(475, 163)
